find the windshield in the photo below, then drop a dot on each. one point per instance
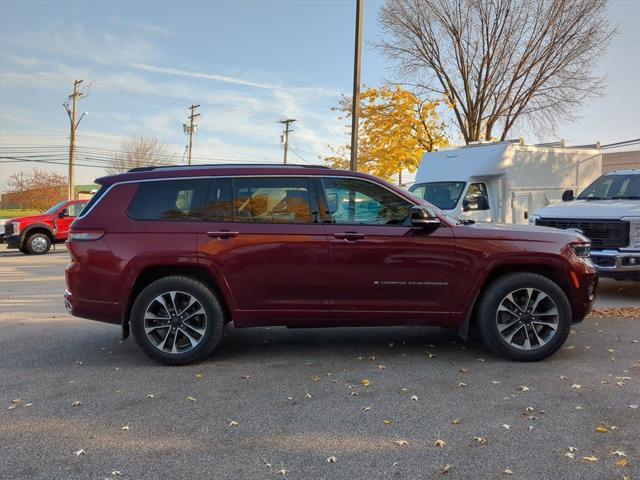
(55, 208)
(613, 187)
(444, 195)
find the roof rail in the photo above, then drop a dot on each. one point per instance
(226, 165)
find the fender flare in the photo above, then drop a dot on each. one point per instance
(23, 234)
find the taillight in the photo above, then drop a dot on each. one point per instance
(86, 235)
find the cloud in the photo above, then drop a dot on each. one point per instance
(201, 75)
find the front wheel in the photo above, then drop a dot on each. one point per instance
(524, 317)
(177, 320)
(38, 244)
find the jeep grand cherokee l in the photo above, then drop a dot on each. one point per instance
(174, 253)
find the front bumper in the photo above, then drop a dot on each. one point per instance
(617, 264)
(12, 241)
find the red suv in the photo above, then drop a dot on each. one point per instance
(174, 253)
(36, 233)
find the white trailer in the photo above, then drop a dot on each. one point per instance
(503, 182)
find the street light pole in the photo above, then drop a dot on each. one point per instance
(355, 108)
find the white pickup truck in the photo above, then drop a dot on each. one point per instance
(608, 213)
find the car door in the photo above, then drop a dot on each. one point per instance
(264, 239)
(382, 269)
(65, 216)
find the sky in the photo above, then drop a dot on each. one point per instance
(248, 63)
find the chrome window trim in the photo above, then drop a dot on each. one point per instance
(200, 177)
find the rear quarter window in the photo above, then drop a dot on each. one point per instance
(169, 200)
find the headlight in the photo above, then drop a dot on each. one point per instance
(16, 227)
(533, 218)
(634, 231)
(582, 250)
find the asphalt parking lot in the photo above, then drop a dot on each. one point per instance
(76, 402)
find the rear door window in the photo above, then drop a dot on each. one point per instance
(169, 200)
(273, 200)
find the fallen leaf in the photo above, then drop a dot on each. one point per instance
(635, 407)
(283, 471)
(495, 382)
(602, 429)
(572, 449)
(116, 473)
(150, 395)
(199, 376)
(523, 388)
(365, 382)
(570, 455)
(316, 378)
(623, 462)
(365, 409)
(191, 399)
(381, 367)
(307, 395)
(386, 422)
(463, 370)
(76, 403)
(619, 453)
(332, 460)
(462, 385)
(244, 377)
(576, 386)
(78, 363)
(505, 426)
(480, 440)
(446, 469)
(590, 459)
(233, 423)
(80, 452)
(401, 442)
(440, 443)
(456, 421)
(508, 472)
(414, 398)
(125, 428)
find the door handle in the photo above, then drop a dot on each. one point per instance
(223, 234)
(349, 236)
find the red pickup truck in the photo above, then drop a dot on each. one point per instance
(35, 234)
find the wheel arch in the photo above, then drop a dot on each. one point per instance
(554, 271)
(37, 228)
(152, 273)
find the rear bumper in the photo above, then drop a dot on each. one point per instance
(617, 264)
(93, 310)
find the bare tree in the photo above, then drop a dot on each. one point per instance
(37, 190)
(500, 62)
(137, 152)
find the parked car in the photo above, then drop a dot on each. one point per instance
(35, 234)
(608, 213)
(180, 251)
(503, 182)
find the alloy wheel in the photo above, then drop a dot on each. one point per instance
(527, 318)
(175, 322)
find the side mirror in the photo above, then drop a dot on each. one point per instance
(63, 213)
(567, 195)
(422, 217)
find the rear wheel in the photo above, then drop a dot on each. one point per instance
(38, 244)
(177, 320)
(524, 317)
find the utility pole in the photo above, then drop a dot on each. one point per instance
(287, 123)
(191, 128)
(72, 112)
(355, 108)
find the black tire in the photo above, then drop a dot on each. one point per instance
(488, 317)
(213, 326)
(38, 244)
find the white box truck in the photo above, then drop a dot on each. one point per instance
(503, 182)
